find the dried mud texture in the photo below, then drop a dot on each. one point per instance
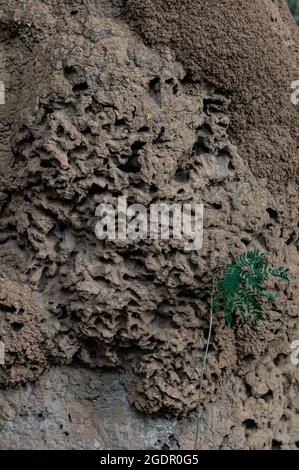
(93, 113)
(77, 408)
(247, 50)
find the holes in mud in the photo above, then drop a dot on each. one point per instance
(291, 239)
(187, 294)
(70, 71)
(171, 83)
(66, 433)
(159, 139)
(133, 303)
(172, 443)
(16, 326)
(134, 329)
(60, 131)
(154, 84)
(276, 445)
(46, 111)
(80, 87)
(248, 389)
(136, 146)
(42, 281)
(75, 317)
(211, 105)
(63, 314)
(249, 358)
(19, 159)
(163, 322)
(133, 165)
(144, 129)
(200, 146)
(87, 131)
(217, 206)
(250, 425)
(181, 176)
(272, 213)
(268, 397)
(96, 189)
(94, 107)
(280, 360)
(155, 88)
(214, 377)
(7, 308)
(187, 80)
(91, 348)
(46, 163)
(107, 127)
(120, 122)
(76, 77)
(153, 188)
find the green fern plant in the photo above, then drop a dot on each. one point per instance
(240, 291)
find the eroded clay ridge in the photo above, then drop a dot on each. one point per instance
(92, 113)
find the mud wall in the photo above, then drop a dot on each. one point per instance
(104, 98)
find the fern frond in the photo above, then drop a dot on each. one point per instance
(240, 290)
(232, 279)
(281, 273)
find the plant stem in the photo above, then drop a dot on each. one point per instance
(203, 369)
